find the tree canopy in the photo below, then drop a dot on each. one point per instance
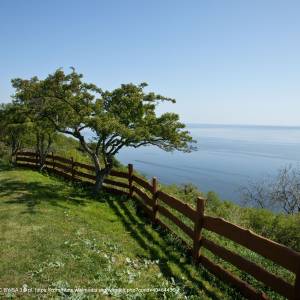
(14, 127)
(124, 117)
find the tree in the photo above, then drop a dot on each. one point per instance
(258, 193)
(281, 192)
(44, 137)
(13, 128)
(42, 129)
(286, 189)
(124, 117)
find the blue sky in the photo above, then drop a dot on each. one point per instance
(226, 62)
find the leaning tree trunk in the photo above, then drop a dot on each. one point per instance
(100, 177)
(42, 161)
(15, 146)
(43, 145)
(101, 174)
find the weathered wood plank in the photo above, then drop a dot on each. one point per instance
(116, 183)
(84, 175)
(119, 174)
(296, 295)
(60, 166)
(246, 289)
(143, 195)
(62, 174)
(198, 225)
(187, 230)
(27, 159)
(145, 208)
(142, 183)
(61, 159)
(177, 204)
(276, 283)
(26, 153)
(114, 191)
(278, 253)
(27, 165)
(84, 166)
(167, 228)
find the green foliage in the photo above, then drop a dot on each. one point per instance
(15, 129)
(69, 147)
(4, 152)
(124, 117)
(213, 200)
(21, 127)
(188, 192)
(279, 227)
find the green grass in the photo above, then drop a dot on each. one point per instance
(236, 215)
(54, 235)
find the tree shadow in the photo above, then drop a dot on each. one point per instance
(31, 194)
(5, 166)
(160, 248)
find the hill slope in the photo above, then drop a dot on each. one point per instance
(56, 236)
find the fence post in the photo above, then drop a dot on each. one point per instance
(73, 170)
(36, 160)
(130, 172)
(155, 199)
(297, 284)
(198, 228)
(53, 162)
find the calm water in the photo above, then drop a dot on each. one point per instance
(227, 158)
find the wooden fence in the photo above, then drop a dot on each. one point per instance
(155, 204)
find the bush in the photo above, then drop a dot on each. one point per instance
(281, 228)
(4, 153)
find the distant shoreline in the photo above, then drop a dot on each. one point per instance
(205, 125)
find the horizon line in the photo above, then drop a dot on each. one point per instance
(240, 125)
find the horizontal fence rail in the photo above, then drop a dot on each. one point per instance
(157, 204)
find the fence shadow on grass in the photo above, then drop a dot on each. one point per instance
(277, 253)
(166, 252)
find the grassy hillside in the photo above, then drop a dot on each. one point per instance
(56, 236)
(150, 259)
(276, 226)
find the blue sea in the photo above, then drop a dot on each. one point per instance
(228, 157)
